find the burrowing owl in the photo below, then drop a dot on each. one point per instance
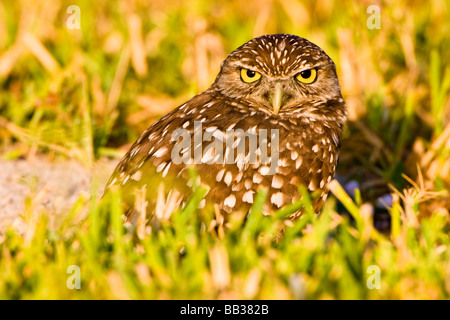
(281, 85)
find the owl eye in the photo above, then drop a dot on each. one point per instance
(249, 76)
(307, 76)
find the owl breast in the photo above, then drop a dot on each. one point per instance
(301, 151)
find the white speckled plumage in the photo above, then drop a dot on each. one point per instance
(309, 123)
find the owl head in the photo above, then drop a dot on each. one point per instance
(280, 74)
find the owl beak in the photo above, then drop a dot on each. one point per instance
(277, 98)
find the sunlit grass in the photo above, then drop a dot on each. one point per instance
(325, 256)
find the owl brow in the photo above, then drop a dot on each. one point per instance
(240, 66)
(309, 67)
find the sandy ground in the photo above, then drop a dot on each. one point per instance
(53, 187)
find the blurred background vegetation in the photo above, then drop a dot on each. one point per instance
(88, 94)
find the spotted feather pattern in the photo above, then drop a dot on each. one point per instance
(309, 135)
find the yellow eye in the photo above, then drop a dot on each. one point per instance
(249, 76)
(307, 76)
